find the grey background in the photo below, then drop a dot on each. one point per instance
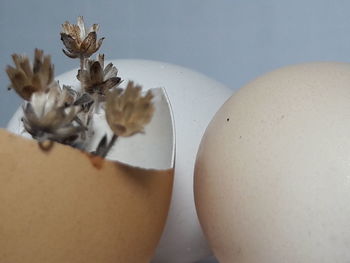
(231, 41)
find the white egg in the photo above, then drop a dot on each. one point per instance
(272, 177)
(194, 98)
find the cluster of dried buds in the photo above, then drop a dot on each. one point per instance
(63, 114)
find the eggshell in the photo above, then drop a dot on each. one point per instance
(59, 204)
(63, 205)
(194, 100)
(154, 148)
(272, 177)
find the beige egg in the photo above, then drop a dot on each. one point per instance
(272, 177)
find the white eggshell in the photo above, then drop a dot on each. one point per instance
(272, 177)
(153, 149)
(194, 99)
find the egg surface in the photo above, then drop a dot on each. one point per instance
(194, 100)
(272, 176)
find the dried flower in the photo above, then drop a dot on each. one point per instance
(96, 78)
(47, 116)
(67, 116)
(79, 43)
(27, 79)
(128, 112)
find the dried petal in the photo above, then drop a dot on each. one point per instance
(70, 54)
(38, 57)
(94, 27)
(84, 99)
(99, 43)
(81, 26)
(69, 42)
(96, 72)
(110, 83)
(89, 43)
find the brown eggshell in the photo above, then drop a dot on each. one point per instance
(63, 205)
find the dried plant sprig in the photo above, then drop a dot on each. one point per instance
(103, 147)
(64, 114)
(127, 112)
(47, 116)
(96, 78)
(27, 78)
(79, 42)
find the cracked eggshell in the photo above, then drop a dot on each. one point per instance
(194, 100)
(153, 149)
(64, 205)
(272, 177)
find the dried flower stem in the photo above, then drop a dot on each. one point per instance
(60, 114)
(82, 62)
(109, 146)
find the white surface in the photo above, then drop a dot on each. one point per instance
(272, 179)
(194, 99)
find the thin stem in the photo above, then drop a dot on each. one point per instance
(109, 146)
(82, 60)
(96, 103)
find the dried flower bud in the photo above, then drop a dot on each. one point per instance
(47, 116)
(127, 112)
(26, 78)
(79, 43)
(96, 78)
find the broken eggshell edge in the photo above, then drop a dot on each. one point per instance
(65, 205)
(189, 92)
(153, 149)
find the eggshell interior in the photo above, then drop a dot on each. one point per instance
(63, 205)
(153, 148)
(272, 177)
